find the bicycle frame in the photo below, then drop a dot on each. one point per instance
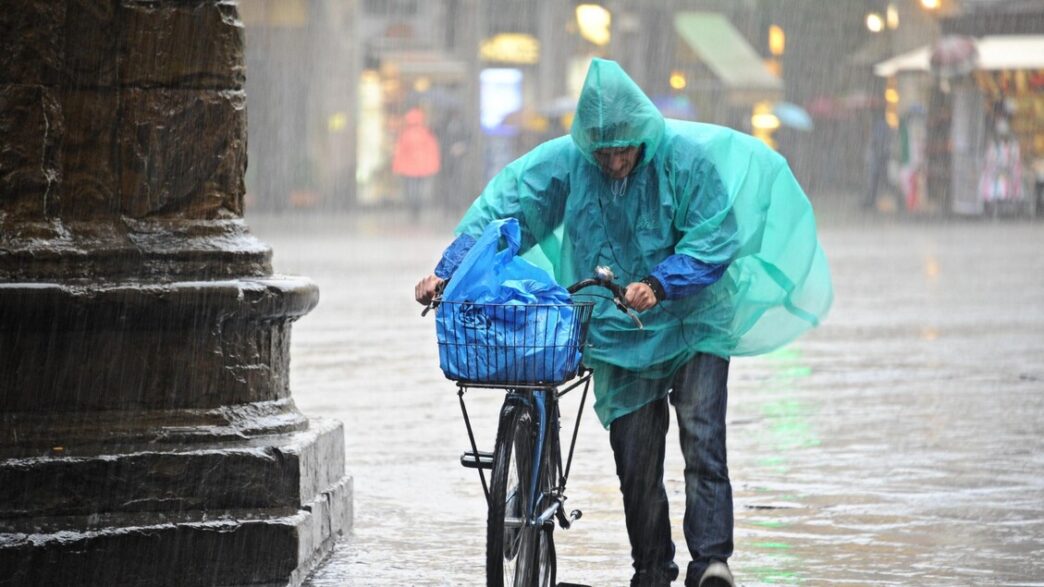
(544, 400)
(530, 365)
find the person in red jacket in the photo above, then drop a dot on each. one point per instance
(416, 161)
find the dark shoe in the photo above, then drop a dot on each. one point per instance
(642, 579)
(655, 578)
(717, 575)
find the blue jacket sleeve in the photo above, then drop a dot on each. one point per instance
(682, 276)
(453, 255)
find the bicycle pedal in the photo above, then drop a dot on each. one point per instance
(484, 460)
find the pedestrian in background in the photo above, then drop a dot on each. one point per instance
(879, 151)
(455, 140)
(416, 161)
(1001, 181)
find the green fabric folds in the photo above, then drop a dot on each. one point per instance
(718, 195)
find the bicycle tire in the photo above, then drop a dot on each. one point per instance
(512, 546)
(547, 565)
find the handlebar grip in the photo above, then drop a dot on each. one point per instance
(434, 303)
(619, 295)
(572, 289)
(616, 289)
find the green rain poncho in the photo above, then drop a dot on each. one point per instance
(717, 195)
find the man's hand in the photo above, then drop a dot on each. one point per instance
(425, 289)
(639, 296)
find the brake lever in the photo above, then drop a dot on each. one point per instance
(434, 303)
(631, 313)
(637, 321)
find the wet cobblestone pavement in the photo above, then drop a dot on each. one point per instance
(902, 443)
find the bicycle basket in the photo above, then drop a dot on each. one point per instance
(511, 344)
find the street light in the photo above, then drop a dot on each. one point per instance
(874, 22)
(892, 16)
(677, 80)
(594, 21)
(777, 44)
(764, 122)
(777, 40)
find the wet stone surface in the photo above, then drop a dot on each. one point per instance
(116, 116)
(899, 444)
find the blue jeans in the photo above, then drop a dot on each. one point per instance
(699, 394)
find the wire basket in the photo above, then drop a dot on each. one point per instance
(511, 344)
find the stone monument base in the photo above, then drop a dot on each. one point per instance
(148, 437)
(257, 511)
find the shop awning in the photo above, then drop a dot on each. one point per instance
(1011, 52)
(725, 52)
(995, 52)
(916, 60)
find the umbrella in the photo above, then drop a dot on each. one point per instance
(792, 115)
(954, 56)
(439, 97)
(560, 106)
(675, 106)
(824, 107)
(860, 101)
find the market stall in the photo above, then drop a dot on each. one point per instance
(984, 129)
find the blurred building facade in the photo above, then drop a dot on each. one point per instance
(331, 80)
(303, 63)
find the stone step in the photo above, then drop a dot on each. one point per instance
(259, 547)
(272, 471)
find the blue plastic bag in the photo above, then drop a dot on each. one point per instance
(505, 320)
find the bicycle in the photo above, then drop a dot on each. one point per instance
(526, 492)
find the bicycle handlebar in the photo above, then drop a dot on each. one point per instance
(604, 278)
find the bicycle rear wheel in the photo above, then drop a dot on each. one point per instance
(516, 554)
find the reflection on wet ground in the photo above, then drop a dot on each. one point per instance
(902, 443)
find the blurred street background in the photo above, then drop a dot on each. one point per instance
(928, 107)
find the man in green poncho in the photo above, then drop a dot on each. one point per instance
(717, 243)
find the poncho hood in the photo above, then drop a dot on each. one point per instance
(614, 112)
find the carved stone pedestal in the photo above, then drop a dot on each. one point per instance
(147, 430)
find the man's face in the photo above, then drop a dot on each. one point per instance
(617, 162)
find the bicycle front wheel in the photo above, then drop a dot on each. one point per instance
(516, 554)
(547, 566)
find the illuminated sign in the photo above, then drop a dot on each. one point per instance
(511, 48)
(500, 95)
